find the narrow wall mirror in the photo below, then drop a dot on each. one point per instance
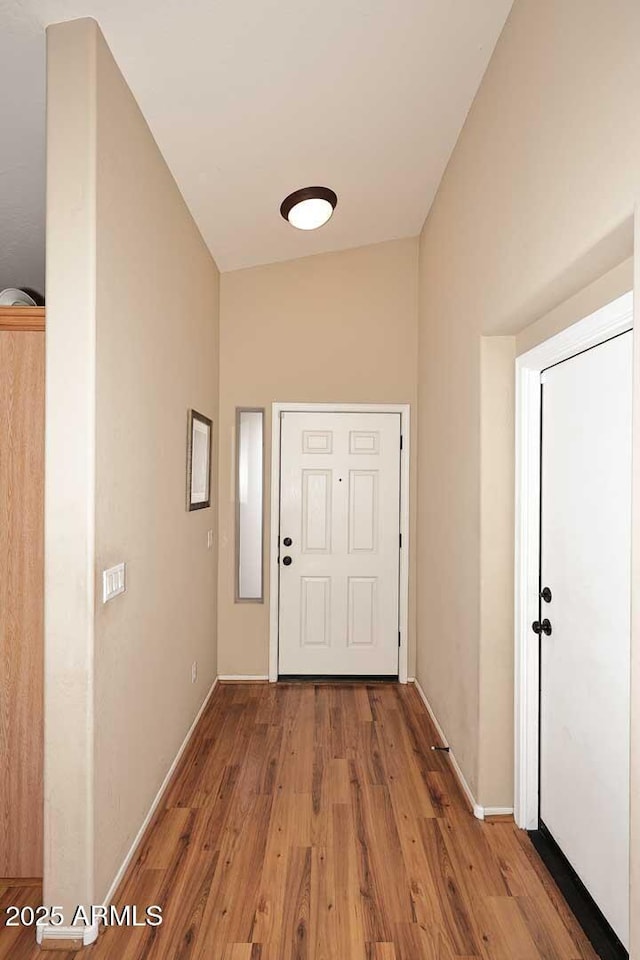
(249, 504)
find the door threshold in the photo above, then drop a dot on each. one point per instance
(597, 928)
(336, 678)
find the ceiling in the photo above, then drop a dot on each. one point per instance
(249, 101)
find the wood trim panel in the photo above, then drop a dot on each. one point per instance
(26, 319)
(21, 602)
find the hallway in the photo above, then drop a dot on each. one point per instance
(314, 821)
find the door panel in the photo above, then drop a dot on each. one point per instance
(585, 662)
(363, 604)
(315, 602)
(316, 511)
(340, 505)
(363, 511)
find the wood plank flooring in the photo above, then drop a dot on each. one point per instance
(314, 822)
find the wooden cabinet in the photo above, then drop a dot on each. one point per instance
(22, 345)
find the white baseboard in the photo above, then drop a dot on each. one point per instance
(158, 797)
(49, 932)
(89, 934)
(479, 811)
(243, 676)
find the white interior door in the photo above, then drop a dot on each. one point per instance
(339, 543)
(585, 661)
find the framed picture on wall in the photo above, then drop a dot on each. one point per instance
(198, 462)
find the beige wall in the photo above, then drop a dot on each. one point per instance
(147, 351)
(495, 693)
(606, 288)
(537, 202)
(69, 467)
(334, 327)
(156, 357)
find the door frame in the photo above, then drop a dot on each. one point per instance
(404, 410)
(609, 321)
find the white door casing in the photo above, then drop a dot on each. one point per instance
(585, 661)
(339, 577)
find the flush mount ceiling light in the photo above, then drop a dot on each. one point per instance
(309, 208)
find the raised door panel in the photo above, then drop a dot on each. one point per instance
(317, 441)
(363, 511)
(316, 511)
(364, 442)
(315, 608)
(362, 619)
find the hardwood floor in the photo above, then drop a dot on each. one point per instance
(314, 822)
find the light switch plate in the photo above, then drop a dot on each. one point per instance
(113, 582)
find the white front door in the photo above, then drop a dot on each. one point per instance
(339, 543)
(585, 661)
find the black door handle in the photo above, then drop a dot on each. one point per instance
(287, 541)
(287, 561)
(544, 627)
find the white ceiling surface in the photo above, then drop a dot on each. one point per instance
(22, 146)
(251, 100)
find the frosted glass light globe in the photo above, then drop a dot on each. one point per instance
(309, 208)
(310, 214)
